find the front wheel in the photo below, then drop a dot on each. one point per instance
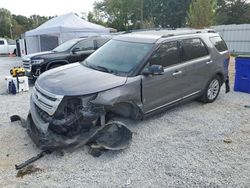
(212, 90)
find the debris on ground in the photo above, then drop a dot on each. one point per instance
(18, 118)
(27, 171)
(227, 141)
(31, 160)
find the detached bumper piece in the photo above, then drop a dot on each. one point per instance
(112, 136)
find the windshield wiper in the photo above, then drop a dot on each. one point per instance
(104, 69)
(100, 68)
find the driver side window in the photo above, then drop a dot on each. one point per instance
(167, 55)
(85, 45)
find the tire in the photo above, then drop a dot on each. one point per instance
(54, 66)
(14, 52)
(212, 90)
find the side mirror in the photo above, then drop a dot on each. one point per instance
(74, 50)
(153, 70)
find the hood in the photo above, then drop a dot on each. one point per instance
(28, 57)
(76, 79)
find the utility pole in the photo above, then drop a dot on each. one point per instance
(11, 34)
(141, 13)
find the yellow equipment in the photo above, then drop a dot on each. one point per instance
(17, 71)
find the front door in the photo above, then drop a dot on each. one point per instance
(161, 90)
(85, 48)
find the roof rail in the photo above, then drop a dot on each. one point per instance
(151, 29)
(189, 32)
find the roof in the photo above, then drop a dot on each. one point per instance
(66, 23)
(152, 36)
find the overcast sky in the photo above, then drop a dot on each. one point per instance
(46, 7)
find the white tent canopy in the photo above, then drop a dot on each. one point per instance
(60, 29)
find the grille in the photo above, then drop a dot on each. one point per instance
(46, 96)
(44, 115)
(46, 101)
(27, 65)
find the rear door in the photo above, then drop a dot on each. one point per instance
(161, 90)
(196, 58)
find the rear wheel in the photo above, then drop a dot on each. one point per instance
(212, 90)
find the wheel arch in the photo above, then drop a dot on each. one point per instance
(56, 62)
(220, 75)
(127, 110)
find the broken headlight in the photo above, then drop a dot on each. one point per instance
(73, 115)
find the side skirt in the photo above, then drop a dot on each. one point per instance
(172, 104)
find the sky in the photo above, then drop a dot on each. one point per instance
(46, 7)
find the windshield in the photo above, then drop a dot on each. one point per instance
(118, 57)
(66, 46)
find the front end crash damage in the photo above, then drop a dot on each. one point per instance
(75, 122)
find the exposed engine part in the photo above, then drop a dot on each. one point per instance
(75, 115)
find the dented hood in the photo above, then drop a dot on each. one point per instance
(76, 79)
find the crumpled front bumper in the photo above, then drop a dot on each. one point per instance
(46, 131)
(41, 135)
(49, 140)
(111, 136)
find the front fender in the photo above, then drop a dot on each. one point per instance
(129, 92)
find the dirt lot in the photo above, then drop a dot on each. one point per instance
(183, 147)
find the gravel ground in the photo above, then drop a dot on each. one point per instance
(183, 147)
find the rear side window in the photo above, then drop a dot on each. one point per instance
(166, 55)
(219, 44)
(1, 42)
(192, 49)
(100, 42)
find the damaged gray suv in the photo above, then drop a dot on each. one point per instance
(133, 76)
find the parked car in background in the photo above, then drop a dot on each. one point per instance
(133, 76)
(7, 46)
(74, 50)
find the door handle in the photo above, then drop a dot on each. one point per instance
(209, 62)
(177, 73)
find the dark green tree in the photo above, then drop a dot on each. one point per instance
(5, 23)
(233, 12)
(202, 13)
(168, 13)
(131, 14)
